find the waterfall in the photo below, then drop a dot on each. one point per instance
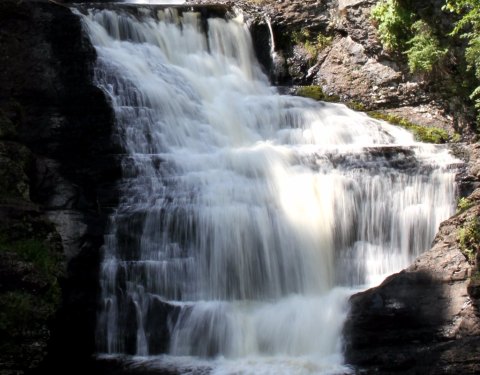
(246, 218)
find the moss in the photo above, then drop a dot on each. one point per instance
(421, 133)
(313, 44)
(463, 204)
(356, 106)
(469, 239)
(22, 312)
(32, 248)
(15, 161)
(456, 138)
(316, 93)
(11, 116)
(36, 252)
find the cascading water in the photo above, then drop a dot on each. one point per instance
(246, 217)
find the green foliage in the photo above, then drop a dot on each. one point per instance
(322, 41)
(300, 36)
(424, 52)
(456, 138)
(463, 204)
(421, 133)
(393, 22)
(22, 312)
(315, 92)
(36, 252)
(469, 239)
(25, 308)
(312, 44)
(398, 30)
(468, 27)
(356, 106)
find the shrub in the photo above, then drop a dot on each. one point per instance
(468, 27)
(313, 45)
(469, 239)
(424, 52)
(463, 204)
(393, 23)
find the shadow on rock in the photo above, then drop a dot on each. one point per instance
(408, 325)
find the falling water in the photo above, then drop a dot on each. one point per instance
(246, 217)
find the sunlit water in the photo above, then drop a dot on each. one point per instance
(246, 218)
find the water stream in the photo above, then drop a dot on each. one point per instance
(246, 217)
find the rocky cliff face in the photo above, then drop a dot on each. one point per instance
(56, 173)
(334, 44)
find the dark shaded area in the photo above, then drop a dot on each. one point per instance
(262, 46)
(160, 317)
(49, 106)
(126, 366)
(402, 327)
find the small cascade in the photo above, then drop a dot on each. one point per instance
(246, 217)
(278, 61)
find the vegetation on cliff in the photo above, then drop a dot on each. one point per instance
(31, 259)
(406, 28)
(469, 28)
(312, 43)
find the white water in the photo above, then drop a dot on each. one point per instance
(246, 217)
(162, 2)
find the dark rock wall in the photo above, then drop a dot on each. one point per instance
(60, 169)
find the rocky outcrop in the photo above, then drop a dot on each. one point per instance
(357, 68)
(56, 185)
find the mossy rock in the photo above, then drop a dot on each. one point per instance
(15, 162)
(31, 264)
(7, 128)
(421, 133)
(316, 93)
(11, 117)
(34, 240)
(426, 134)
